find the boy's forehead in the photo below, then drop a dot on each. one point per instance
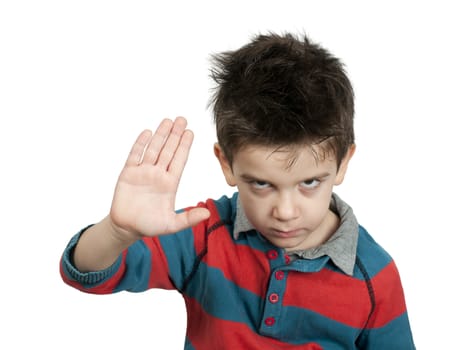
(288, 154)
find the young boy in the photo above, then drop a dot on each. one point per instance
(283, 263)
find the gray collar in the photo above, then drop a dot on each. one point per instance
(341, 247)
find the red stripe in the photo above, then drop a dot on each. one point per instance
(206, 332)
(390, 302)
(332, 294)
(246, 267)
(159, 277)
(201, 229)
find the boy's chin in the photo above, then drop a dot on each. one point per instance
(287, 244)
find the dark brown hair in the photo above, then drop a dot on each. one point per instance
(279, 90)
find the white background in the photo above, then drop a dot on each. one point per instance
(80, 79)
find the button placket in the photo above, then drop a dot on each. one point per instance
(271, 321)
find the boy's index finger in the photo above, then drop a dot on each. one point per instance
(136, 153)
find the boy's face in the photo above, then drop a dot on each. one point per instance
(288, 203)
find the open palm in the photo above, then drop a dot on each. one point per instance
(145, 194)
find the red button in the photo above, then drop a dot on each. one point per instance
(272, 254)
(287, 259)
(274, 298)
(279, 275)
(270, 321)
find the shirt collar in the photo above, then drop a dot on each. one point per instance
(341, 247)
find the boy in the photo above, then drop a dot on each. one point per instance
(283, 263)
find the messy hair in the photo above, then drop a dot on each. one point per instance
(281, 90)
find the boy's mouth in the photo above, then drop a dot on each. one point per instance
(286, 233)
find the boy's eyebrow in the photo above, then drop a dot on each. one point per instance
(248, 177)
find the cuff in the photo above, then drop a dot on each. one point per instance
(86, 279)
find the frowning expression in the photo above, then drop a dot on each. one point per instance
(286, 192)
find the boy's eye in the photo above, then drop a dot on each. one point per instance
(309, 184)
(260, 185)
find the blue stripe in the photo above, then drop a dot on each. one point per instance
(393, 336)
(226, 207)
(180, 254)
(224, 299)
(303, 326)
(371, 254)
(138, 265)
(188, 345)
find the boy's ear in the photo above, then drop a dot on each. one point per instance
(342, 169)
(225, 165)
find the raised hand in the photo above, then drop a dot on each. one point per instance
(144, 198)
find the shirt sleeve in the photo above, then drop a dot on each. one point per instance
(152, 262)
(388, 327)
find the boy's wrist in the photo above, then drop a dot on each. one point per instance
(119, 235)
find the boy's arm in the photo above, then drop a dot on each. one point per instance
(144, 199)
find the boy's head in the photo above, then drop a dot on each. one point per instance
(282, 91)
(284, 115)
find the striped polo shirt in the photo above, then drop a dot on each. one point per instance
(241, 292)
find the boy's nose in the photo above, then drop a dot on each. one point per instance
(285, 208)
